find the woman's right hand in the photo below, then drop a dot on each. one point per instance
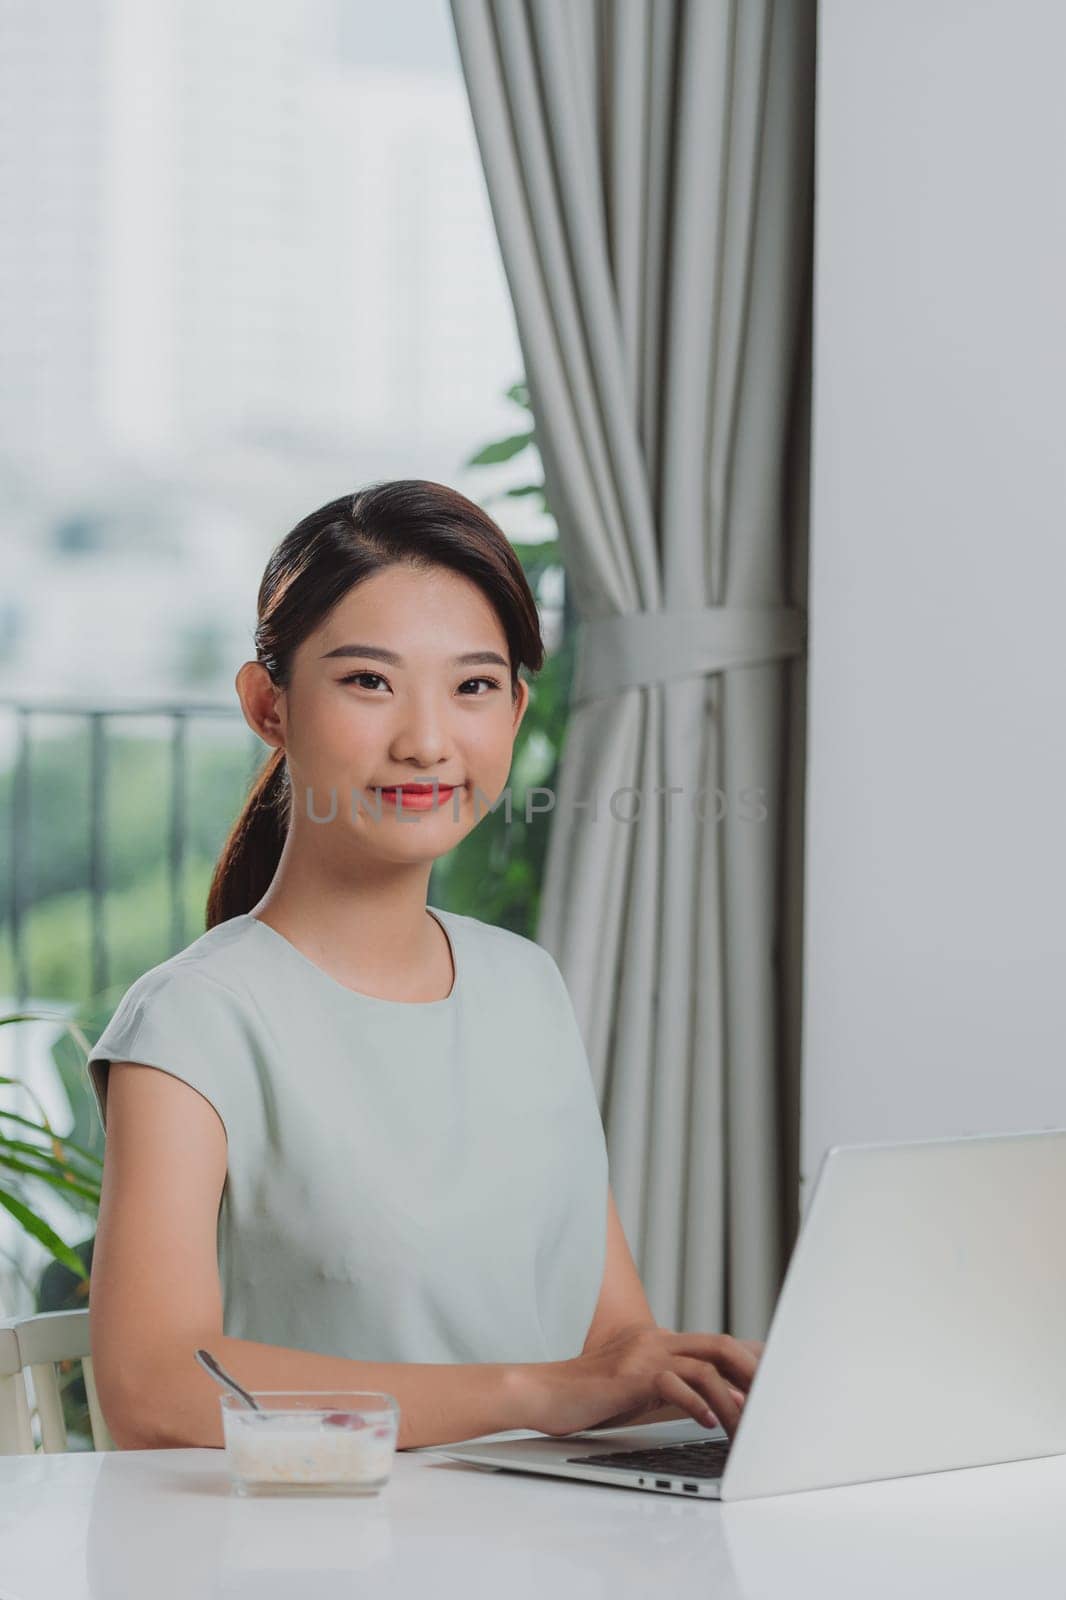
(639, 1369)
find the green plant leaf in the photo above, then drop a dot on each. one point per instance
(17, 1083)
(76, 1186)
(539, 553)
(69, 1027)
(85, 1130)
(502, 450)
(68, 1144)
(33, 1016)
(61, 1178)
(54, 1156)
(35, 1225)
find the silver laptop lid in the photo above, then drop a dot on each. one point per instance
(922, 1322)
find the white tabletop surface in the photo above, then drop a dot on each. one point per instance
(151, 1524)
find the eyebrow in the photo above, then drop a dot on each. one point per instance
(373, 652)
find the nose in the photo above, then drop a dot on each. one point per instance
(421, 738)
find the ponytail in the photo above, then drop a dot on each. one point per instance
(252, 851)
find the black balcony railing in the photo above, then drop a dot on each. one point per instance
(26, 717)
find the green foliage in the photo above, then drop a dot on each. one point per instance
(136, 799)
(136, 824)
(502, 450)
(137, 928)
(32, 1155)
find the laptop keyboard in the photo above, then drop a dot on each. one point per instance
(697, 1459)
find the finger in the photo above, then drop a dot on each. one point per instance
(730, 1355)
(710, 1383)
(674, 1389)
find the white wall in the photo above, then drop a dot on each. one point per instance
(935, 982)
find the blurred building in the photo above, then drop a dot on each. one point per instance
(247, 263)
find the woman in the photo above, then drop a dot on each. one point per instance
(371, 1150)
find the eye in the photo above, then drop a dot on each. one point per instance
(493, 683)
(360, 677)
(354, 677)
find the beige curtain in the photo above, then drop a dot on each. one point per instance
(649, 165)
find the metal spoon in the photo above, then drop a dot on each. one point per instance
(226, 1379)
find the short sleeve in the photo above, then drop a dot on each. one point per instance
(189, 1025)
(564, 1018)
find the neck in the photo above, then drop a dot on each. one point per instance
(353, 915)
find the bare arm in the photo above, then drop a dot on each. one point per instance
(623, 1304)
(156, 1296)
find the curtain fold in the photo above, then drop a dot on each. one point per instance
(650, 164)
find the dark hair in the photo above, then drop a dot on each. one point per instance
(410, 522)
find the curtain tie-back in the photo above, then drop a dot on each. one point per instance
(637, 648)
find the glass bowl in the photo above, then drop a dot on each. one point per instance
(310, 1441)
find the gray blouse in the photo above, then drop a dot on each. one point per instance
(405, 1181)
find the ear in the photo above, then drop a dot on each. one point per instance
(521, 704)
(262, 703)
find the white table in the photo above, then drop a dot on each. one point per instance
(151, 1524)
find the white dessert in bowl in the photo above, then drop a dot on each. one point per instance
(311, 1443)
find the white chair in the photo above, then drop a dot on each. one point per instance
(34, 1345)
(15, 1434)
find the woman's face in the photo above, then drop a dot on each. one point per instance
(380, 696)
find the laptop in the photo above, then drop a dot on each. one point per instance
(921, 1327)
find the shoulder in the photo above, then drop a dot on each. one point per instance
(215, 965)
(506, 957)
(200, 991)
(188, 1016)
(522, 983)
(225, 955)
(497, 944)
